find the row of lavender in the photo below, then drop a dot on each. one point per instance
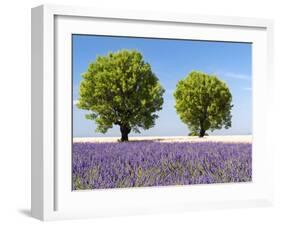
(138, 164)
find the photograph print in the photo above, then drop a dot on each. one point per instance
(160, 112)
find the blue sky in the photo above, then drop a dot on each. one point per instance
(171, 60)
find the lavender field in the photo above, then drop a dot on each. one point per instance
(151, 163)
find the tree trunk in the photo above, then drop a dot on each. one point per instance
(202, 133)
(125, 130)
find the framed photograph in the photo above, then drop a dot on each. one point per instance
(137, 112)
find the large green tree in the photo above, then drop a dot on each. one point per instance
(121, 89)
(203, 102)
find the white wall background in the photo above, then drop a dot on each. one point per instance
(15, 111)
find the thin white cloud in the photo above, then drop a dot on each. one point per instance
(238, 76)
(247, 88)
(169, 91)
(75, 102)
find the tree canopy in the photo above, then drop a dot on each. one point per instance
(121, 89)
(203, 102)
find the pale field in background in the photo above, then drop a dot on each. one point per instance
(227, 139)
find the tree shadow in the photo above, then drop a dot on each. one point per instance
(146, 141)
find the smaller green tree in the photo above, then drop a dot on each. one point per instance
(203, 102)
(121, 89)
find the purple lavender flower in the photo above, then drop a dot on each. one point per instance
(140, 164)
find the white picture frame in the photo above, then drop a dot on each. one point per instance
(51, 194)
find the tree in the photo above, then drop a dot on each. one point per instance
(203, 102)
(121, 89)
